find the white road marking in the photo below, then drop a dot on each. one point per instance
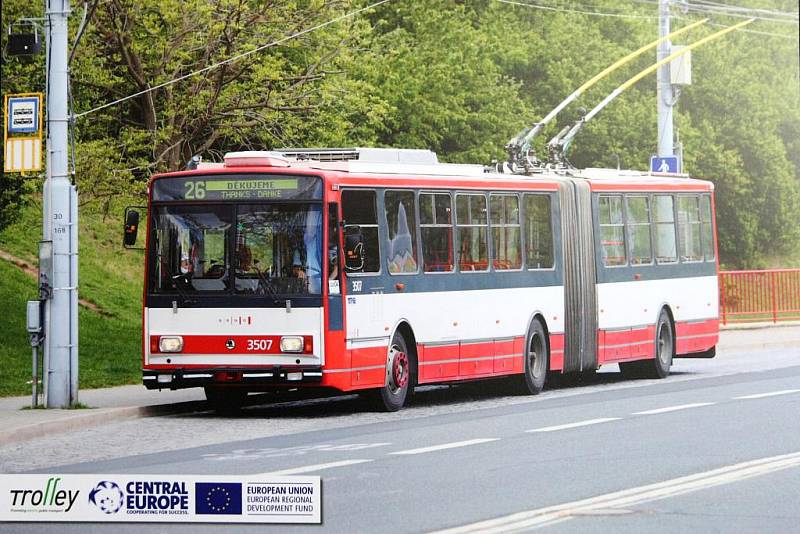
(769, 394)
(313, 468)
(574, 425)
(444, 446)
(674, 408)
(269, 452)
(523, 521)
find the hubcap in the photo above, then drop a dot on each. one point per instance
(398, 365)
(535, 359)
(664, 344)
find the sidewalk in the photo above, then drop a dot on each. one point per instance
(104, 406)
(130, 402)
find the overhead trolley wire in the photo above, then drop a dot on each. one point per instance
(705, 10)
(528, 4)
(576, 11)
(742, 9)
(234, 58)
(754, 12)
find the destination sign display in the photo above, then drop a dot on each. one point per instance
(237, 187)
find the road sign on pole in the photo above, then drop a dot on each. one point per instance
(23, 115)
(665, 164)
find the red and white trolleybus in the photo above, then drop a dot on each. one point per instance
(378, 270)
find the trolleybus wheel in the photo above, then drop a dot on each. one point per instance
(664, 352)
(536, 359)
(665, 349)
(225, 401)
(392, 395)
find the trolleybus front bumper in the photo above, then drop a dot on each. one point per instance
(189, 378)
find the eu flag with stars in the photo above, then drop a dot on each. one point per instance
(218, 498)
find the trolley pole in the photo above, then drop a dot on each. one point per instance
(664, 93)
(59, 224)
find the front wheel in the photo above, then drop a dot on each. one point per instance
(392, 396)
(536, 360)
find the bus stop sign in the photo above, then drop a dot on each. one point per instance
(665, 164)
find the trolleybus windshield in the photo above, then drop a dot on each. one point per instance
(245, 234)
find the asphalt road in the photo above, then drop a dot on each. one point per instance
(715, 447)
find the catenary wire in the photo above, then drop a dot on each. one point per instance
(653, 17)
(743, 9)
(576, 11)
(706, 11)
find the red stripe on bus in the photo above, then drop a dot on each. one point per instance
(711, 326)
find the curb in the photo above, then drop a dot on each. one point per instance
(97, 417)
(757, 326)
(737, 348)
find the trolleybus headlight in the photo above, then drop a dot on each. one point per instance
(170, 344)
(292, 344)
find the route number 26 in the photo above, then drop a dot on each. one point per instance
(196, 190)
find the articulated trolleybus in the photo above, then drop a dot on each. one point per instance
(378, 270)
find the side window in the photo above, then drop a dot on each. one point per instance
(505, 232)
(361, 216)
(708, 228)
(472, 233)
(664, 218)
(638, 221)
(538, 232)
(436, 223)
(402, 226)
(612, 230)
(689, 228)
(334, 273)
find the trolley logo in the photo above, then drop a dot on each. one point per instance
(49, 499)
(156, 498)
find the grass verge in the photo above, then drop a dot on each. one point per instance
(110, 278)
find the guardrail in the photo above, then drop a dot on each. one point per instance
(755, 296)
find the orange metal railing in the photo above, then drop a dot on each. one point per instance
(752, 296)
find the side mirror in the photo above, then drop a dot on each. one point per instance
(353, 249)
(131, 227)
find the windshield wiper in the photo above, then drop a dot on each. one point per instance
(265, 284)
(184, 299)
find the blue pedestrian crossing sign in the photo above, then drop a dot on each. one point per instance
(665, 164)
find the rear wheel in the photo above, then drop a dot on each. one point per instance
(536, 360)
(665, 349)
(664, 352)
(225, 401)
(393, 394)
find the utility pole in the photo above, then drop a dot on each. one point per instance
(664, 93)
(59, 256)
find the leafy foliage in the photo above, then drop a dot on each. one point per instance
(460, 78)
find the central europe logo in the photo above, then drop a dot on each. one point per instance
(107, 496)
(218, 498)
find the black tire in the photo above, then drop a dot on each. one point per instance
(537, 360)
(665, 349)
(393, 395)
(664, 352)
(225, 401)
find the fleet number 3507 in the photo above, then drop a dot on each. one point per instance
(259, 344)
